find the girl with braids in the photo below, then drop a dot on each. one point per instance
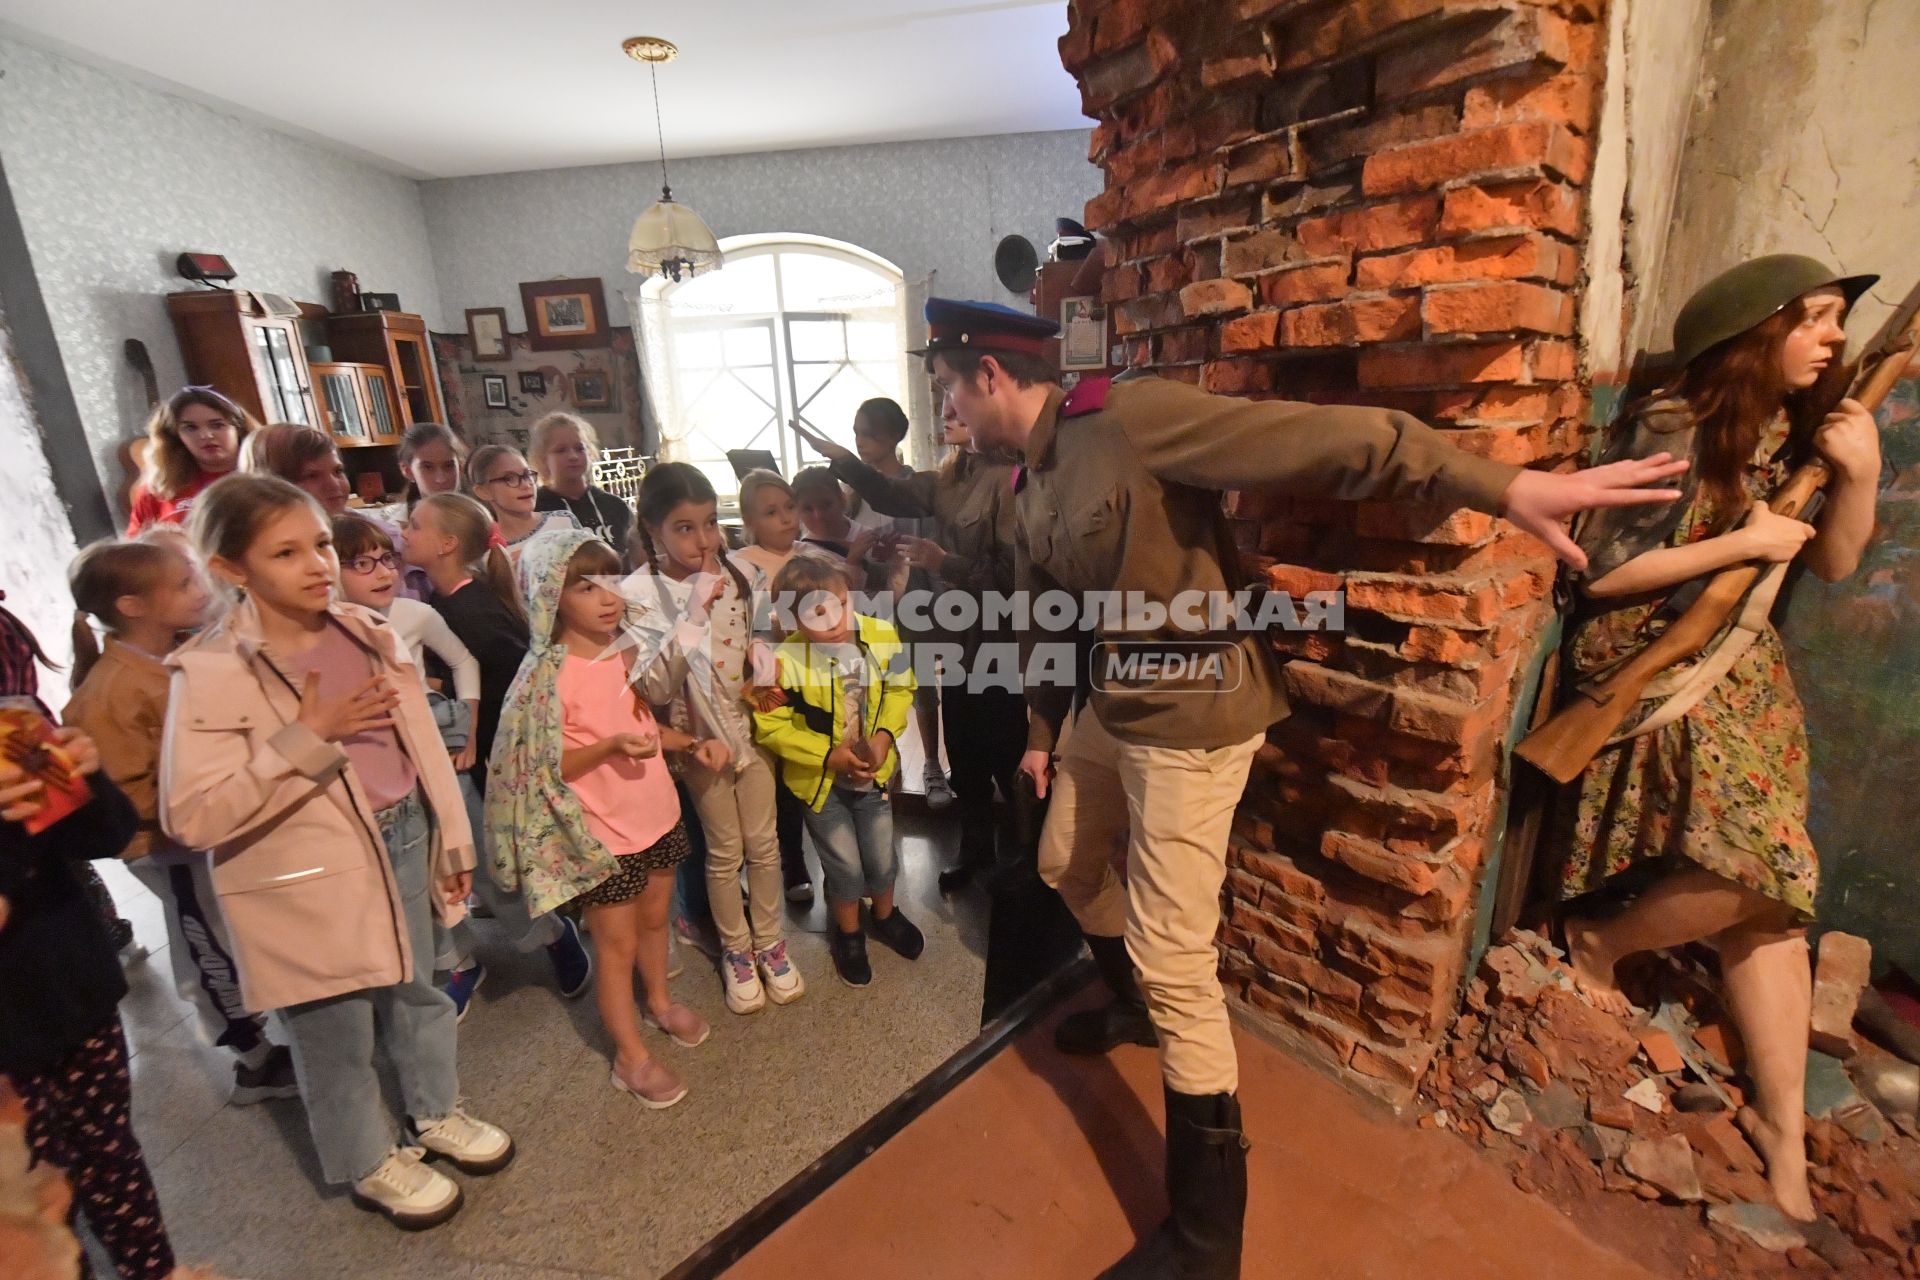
(697, 603)
(192, 440)
(1698, 818)
(500, 477)
(581, 805)
(147, 594)
(475, 595)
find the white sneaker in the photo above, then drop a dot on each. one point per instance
(676, 964)
(783, 982)
(742, 983)
(939, 790)
(469, 1145)
(412, 1196)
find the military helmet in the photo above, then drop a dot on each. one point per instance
(1738, 299)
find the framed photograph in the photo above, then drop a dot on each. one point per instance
(496, 386)
(592, 389)
(565, 314)
(487, 332)
(533, 382)
(1083, 334)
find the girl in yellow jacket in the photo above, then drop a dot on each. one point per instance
(848, 686)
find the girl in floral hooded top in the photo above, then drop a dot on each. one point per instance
(579, 801)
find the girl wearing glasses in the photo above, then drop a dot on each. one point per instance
(501, 478)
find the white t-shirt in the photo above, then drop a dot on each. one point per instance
(423, 629)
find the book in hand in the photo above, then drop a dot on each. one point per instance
(28, 743)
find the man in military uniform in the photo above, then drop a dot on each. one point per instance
(1120, 492)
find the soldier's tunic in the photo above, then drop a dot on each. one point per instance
(1121, 492)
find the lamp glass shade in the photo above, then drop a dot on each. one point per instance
(670, 238)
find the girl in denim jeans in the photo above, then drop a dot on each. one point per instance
(848, 687)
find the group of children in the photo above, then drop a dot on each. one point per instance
(338, 731)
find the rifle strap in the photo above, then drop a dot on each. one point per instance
(1683, 689)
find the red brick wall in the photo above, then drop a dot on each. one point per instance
(1381, 202)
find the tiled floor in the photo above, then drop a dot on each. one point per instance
(600, 1187)
(1043, 1167)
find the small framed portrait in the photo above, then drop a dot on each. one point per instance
(496, 389)
(565, 314)
(1083, 334)
(487, 333)
(592, 389)
(533, 382)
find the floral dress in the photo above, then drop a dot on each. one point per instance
(1725, 785)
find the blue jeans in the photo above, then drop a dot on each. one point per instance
(690, 877)
(412, 1022)
(853, 833)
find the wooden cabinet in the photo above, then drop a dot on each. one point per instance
(356, 403)
(230, 342)
(397, 342)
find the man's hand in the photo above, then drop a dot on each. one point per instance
(1539, 501)
(1037, 768)
(924, 552)
(821, 445)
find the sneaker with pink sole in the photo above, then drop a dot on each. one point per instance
(688, 1029)
(652, 1086)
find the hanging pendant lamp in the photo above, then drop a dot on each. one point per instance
(668, 237)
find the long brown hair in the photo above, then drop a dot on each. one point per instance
(1734, 389)
(470, 526)
(418, 437)
(99, 576)
(169, 466)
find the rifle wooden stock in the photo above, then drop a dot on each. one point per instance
(1565, 744)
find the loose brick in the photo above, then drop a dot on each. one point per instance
(1321, 33)
(1846, 964)
(1427, 643)
(1107, 80)
(1441, 366)
(1509, 307)
(1261, 251)
(1292, 200)
(1298, 580)
(1212, 217)
(1336, 324)
(1437, 719)
(1214, 297)
(1166, 188)
(1310, 282)
(1422, 522)
(1379, 226)
(1553, 361)
(1520, 257)
(1169, 273)
(1255, 332)
(1377, 862)
(1337, 690)
(1570, 98)
(1234, 377)
(1119, 23)
(1104, 210)
(1268, 160)
(1479, 46)
(1423, 599)
(1537, 204)
(1524, 147)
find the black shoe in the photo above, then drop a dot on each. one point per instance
(898, 933)
(850, 957)
(1124, 1021)
(1207, 1188)
(273, 1078)
(954, 879)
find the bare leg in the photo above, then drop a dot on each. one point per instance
(616, 939)
(882, 905)
(653, 905)
(1684, 907)
(1770, 988)
(846, 915)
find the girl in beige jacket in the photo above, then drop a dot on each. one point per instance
(299, 749)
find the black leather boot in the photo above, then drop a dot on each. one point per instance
(1207, 1188)
(1124, 1021)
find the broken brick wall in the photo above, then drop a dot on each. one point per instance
(1380, 202)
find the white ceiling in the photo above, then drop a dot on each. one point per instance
(439, 88)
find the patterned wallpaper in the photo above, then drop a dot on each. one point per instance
(113, 180)
(539, 383)
(925, 206)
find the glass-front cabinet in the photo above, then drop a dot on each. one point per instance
(356, 401)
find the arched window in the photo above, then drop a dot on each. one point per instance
(790, 327)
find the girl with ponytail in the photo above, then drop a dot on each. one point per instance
(448, 537)
(146, 595)
(692, 588)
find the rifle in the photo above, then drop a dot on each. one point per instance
(1565, 744)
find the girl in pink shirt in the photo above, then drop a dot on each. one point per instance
(579, 799)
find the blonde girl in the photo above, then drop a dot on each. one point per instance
(563, 450)
(300, 751)
(499, 476)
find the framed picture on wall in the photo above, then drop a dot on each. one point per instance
(592, 389)
(565, 314)
(533, 382)
(487, 333)
(1083, 334)
(496, 389)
